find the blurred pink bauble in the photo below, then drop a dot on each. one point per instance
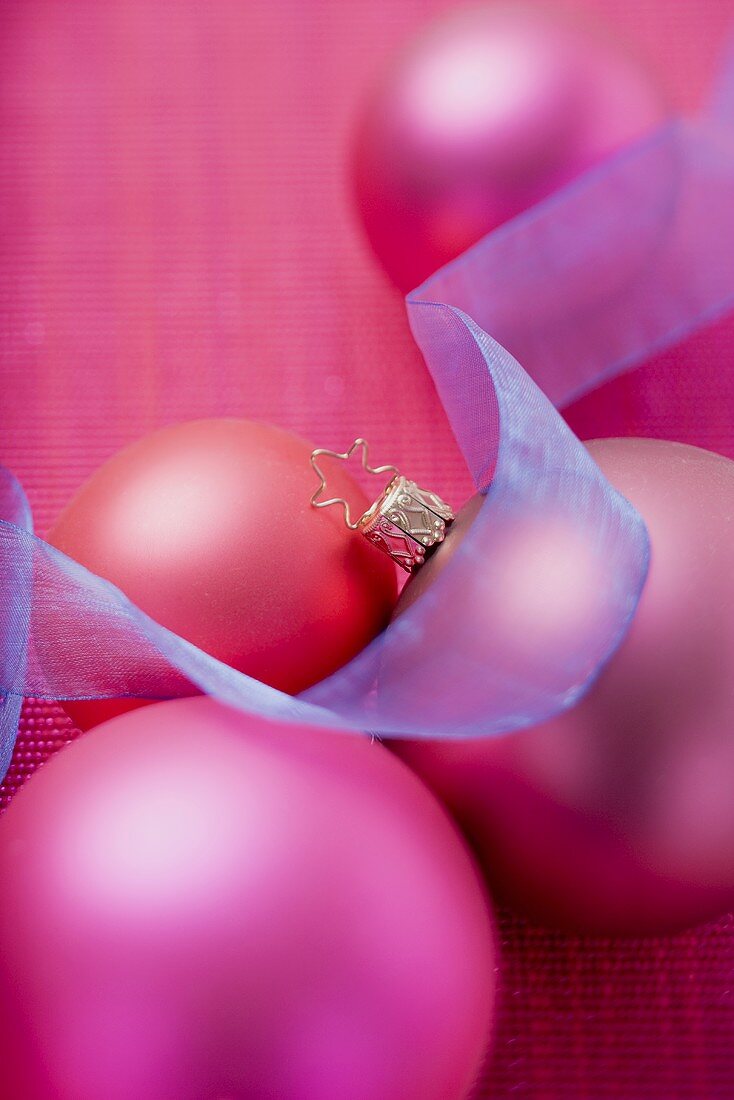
(618, 816)
(486, 112)
(197, 904)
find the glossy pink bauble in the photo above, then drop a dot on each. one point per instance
(207, 526)
(486, 112)
(197, 904)
(618, 816)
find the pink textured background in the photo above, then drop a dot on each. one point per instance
(177, 240)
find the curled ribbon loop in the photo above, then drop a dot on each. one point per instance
(625, 261)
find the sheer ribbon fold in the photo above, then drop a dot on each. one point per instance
(630, 258)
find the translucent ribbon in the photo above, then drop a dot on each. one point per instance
(628, 259)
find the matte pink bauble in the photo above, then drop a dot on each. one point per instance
(207, 526)
(486, 112)
(197, 904)
(618, 816)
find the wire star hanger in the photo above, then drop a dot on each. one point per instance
(344, 456)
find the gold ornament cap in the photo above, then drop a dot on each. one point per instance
(406, 522)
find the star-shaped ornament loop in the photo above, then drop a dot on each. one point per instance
(344, 456)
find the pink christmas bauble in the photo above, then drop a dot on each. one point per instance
(199, 904)
(488, 110)
(207, 527)
(618, 816)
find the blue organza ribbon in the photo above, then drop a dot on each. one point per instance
(627, 260)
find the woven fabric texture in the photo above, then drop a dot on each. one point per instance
(171, 172)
